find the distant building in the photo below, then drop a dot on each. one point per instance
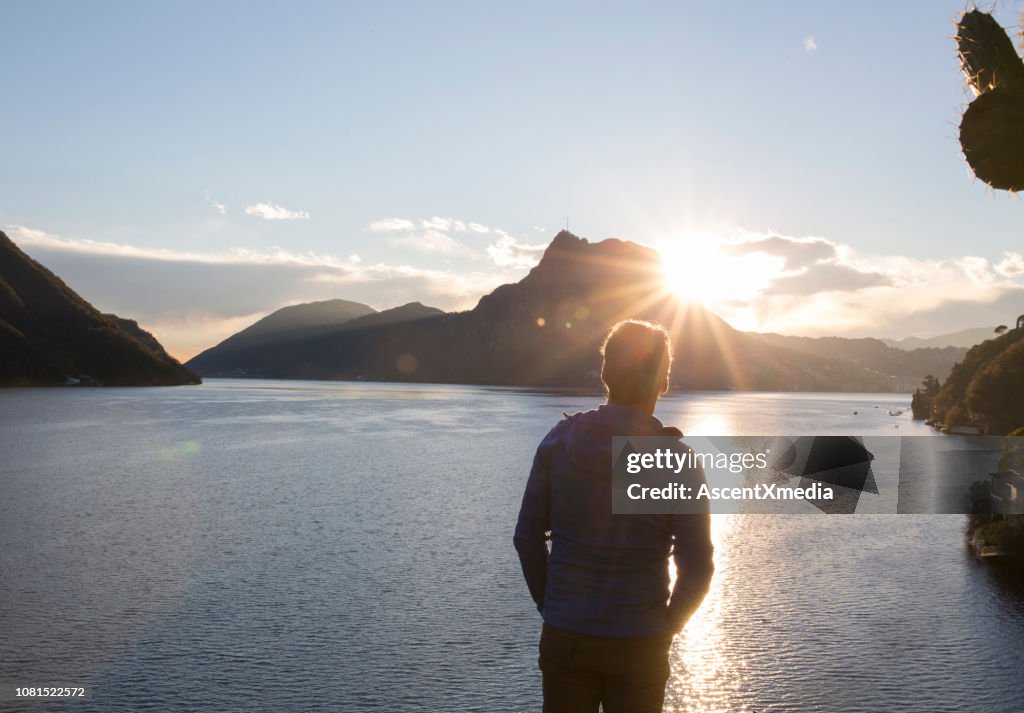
(1007, 489)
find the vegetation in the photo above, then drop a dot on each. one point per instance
(986, 387)
(921, 402)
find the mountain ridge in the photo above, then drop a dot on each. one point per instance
(545, 330)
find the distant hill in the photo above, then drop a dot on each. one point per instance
(964, 339)
(48, 333)
(910, 366)
(545, 330)
(297, 321)
(255, 348)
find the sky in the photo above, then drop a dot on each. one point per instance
(196, 165)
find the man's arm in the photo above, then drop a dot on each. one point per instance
(693, 553)
(532, 529)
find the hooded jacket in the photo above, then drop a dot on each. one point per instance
(606, 575)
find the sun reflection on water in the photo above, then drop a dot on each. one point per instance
(700, 664)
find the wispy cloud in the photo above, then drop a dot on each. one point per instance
(452, 237)
(443, 224)
(271, 211)
(1011, 265)
(796, 252)
(391, 225)
(810, 44)
(509, 252)
(433, 241)
(216, 205)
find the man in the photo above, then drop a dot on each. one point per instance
(603, 591)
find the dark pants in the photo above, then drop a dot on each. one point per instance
(583, 672)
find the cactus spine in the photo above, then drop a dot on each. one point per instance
(992, 128)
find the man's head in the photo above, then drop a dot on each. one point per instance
(637, 359)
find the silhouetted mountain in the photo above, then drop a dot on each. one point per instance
(545, 330)
(964, 339)
(405, 313)
(297, 321)
(910, 366)
(48, 333)
(283, 332)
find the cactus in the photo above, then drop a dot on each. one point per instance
(986, 54)
(992, 128)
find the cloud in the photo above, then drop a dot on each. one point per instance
(391, 225)
(509, 252)
(826, 277)
(1011, 265)
(454, 238)
(196, 299)
(796, 252)
(216, 205)
(354, 259)
(810, 44)
(433, 241)
(851, 294)
(270, 211)
(446, 225)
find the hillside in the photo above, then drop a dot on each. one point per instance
(986, 387)
(49, 333)
(545, 331)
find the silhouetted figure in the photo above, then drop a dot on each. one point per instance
(603, 591)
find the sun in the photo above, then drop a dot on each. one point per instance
(700, 267)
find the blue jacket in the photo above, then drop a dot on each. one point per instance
(606, 575)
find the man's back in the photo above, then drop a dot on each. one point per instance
(607, 575)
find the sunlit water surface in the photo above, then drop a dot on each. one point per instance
(287, 546)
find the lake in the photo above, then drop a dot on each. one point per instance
(287, 546)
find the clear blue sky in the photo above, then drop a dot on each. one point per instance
(132, 123)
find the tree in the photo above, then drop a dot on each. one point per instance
(1001, 328)
(930, 385)
(921, 402)
(996, 392)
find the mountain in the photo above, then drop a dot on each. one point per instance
(253, 350)
(545, 330)
(964, 339)
(297, 321)
(49, 333)
(910, 366)
(986, 387)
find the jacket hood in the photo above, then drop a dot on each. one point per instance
(588, 434)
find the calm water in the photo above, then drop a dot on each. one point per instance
(287, 546)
